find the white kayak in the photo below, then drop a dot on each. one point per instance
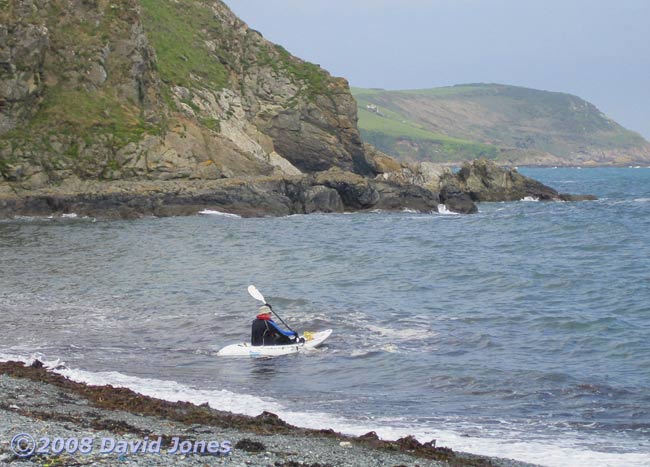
(312, 340)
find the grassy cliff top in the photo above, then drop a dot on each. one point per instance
(484, 116)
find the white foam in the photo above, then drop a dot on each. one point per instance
(561, 452)
(642, 200)
(29, 218)
(360, 353)
(530, 199)
(71, 215)
(210, 212)
(444, 210)
(175, 392)
(401, 334)
(49, 364)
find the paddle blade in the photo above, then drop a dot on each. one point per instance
(256, 293)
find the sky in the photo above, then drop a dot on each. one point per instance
(596, 49)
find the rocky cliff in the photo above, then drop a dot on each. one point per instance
(92, 89)
(166, 106)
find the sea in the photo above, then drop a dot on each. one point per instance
(522, 331)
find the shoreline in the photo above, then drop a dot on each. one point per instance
(249, 197)
(325, 192)
(36, 400)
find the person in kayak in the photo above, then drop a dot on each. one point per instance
(265, 331)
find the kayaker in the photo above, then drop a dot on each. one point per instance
(265, 331)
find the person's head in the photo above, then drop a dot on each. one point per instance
(264, 310)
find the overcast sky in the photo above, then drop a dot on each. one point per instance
(596, 49)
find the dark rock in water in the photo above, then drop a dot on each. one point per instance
(569, 197)
(395, 196)
(322, 199)
(307, 197)
(457, 200)
(359, 193)
(483, 180)
(356, 192)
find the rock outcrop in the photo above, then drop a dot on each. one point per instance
(483, 180)
(140, 89)
(332, 191)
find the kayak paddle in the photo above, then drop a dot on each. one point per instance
(258, 296)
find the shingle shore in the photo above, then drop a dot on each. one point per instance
(43, 404)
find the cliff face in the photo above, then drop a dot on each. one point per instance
(159, 90)
(22, 54)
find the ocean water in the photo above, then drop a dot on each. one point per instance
(522, 331)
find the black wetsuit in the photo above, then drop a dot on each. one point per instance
(264, 332)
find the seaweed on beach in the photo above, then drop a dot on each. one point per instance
(123, 399)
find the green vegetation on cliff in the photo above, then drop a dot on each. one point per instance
(176, 32)
(160, 89)
(505, 123)
(397, 136)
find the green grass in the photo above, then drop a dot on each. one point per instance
(90, 113)
(428, 149)
(370, 121)
(75, 117)
(175, 29)
(392, 126)
(386, 133)
(493, 116)
(70, 120)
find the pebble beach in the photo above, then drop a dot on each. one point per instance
(42, 404)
